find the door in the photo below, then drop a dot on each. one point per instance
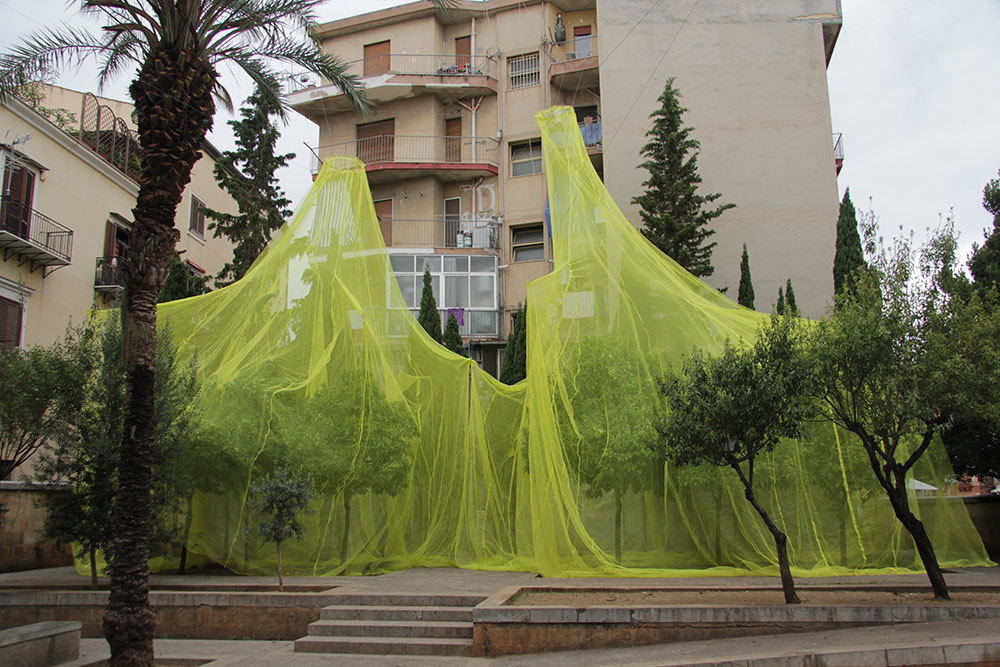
(453, 140)
(375, 141)
(383, 211)
(452, 217)
(581, 42)
(463, 52)
(376, 58)
(18, 193)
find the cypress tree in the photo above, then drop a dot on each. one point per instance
(514, 368)
(790, 305)
(247, 174)
(429, 318)
(181, 282)
(779, 308)
(745, 298)
(848, 258)
(672, 211)
(452, 339)
(985, 261)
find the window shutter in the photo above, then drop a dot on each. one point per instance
(10, 324)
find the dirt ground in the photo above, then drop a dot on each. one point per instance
(742, 598)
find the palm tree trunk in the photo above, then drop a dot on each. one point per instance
(281, 579)
(174, 110)
(618, 527)
(347, 528)
(93, 569)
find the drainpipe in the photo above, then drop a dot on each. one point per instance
(472, 44)
(475, 142)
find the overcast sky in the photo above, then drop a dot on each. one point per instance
(914, 87)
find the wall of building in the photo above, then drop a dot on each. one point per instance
(754, 80)
(22, 546)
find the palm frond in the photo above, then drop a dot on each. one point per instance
(44, 51)
(127, 48)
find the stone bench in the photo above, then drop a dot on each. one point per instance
(45, 643)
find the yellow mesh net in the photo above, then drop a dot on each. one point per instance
(313, 360)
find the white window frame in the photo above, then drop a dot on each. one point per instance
(524, 71)
(534, 160)
(195, 203)
(515, 246)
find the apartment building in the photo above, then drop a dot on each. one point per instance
(65, 213)
(453, 153)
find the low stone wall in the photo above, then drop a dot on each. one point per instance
(503, 629)
(985, 514)
(40, 644)
(179, 615)
(22, 546)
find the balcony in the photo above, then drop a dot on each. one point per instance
(593, 139)
(107, 277)
(400, 75)
(399, 157)
(441, 232)
(33, 238)
(476, 324)
(574, 64)
(838, 150)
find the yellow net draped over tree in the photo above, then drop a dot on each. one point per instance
(313, 361)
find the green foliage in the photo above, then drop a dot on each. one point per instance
(280, 498)
(31, 93)
(779, 307)
(429, 318)
(745, 296)
(248, 175)
(898, 361)
(86, 453)
(985, 261)
(452, 339)
(608, 434)
(791, 306)
(729, 409)
(41, 390)
(673, 213)
(848, 258)
(514, 368)
(181, 282)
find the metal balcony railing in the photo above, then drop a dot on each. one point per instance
(414, 149)
(107, 276)
(838, 146)
(37, 237)
(440, 232)
(424, 64)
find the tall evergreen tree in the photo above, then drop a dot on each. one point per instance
(779, 307)
(674, 213)
(848, 257)
(429, 318)
(985, 261)
(247, 174)
(790, 306)
(745, 297)
(181, 282)
(452, 339)
(514, 367)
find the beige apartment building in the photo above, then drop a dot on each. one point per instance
(453, 153)
(68, 194)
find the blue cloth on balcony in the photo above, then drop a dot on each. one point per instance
(591, 133)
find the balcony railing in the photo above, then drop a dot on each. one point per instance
(35, 237)
(440, 232)
(415, 150)
(107, 276)
(423, 64)
(108, 136)
(475, 323)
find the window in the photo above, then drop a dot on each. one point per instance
(523, 70)
(376, 58)
(18, 196)
(467, 282)
(528, 243)
(376, 141)
(526, 158)
(452, 218)
(463, 51)
(582, 41)
(11, 313)
(197, 224)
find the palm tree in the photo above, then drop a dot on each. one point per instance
(177, 46)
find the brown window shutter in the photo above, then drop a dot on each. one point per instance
(463, 46)
(453, 140)
(18, 193)
(383, 210)
(110, 232)
(376, 58)
(375, 141)
(10, 324)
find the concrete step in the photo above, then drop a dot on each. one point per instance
(369, 628)
(385, 645)
(394, 613)
(408, 600)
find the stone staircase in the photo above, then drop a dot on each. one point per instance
(398, 624)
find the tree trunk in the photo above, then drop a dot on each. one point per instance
(171, 134)
(93, 569)
(182, 568)
(780, 542)
(915, 527)
(347, 528)
(618, 527)
(281, 579)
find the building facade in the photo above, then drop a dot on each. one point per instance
(453, 152)
(68, 193)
